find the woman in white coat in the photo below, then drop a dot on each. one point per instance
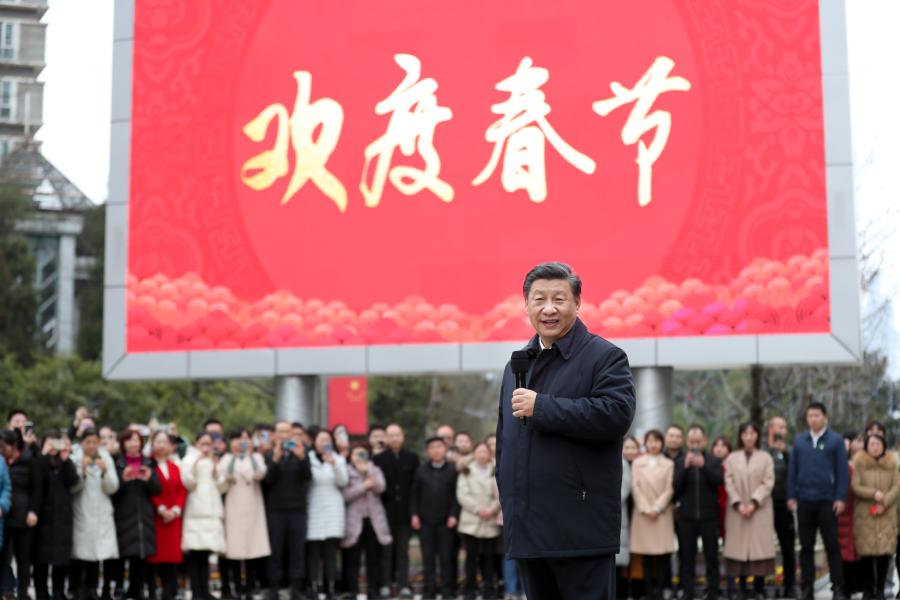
(246, 530)
(479, 504)
(93, 520)
(326, 520)
(204, 512)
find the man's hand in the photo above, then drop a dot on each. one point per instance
(300, 452)
(839, 507)
(32, 519)
(523, 402)
(792, 505)
(452, 523)
(416, 522)
(277, 452)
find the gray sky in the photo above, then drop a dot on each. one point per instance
(77, 104)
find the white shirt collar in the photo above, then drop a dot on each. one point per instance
(541, 342)
(816, 437)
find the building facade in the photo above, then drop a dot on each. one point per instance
(22, 44)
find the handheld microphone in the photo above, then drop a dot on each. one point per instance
(519, 363)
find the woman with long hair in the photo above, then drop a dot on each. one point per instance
(653, 523)
(479, 503)
(169, 508)
(750, 519)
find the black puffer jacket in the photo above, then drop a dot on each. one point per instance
(560, 471)
(134, 512)
(27, 491)
(53, 536)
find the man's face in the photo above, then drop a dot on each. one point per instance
(437, 452)
(816, 419)
(282, 431)
(552, 309)
(394, 437)
(778, 426)
(464, 444)
(696, 440)
(446, 432)
(674, 439)
(376, 439)
(17, 422)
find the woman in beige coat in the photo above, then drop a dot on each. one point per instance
(653, 524)
(875, 483)
(476, 492)
(750, 518)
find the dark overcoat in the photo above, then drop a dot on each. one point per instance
(53, 536)
(134, 512)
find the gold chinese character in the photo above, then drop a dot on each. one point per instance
(524, 130)
(655, 81)
(415, 114)
(310, 155)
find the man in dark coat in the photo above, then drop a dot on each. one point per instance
(399, 467)
(435, 514)
(698, 475)
(559, 447)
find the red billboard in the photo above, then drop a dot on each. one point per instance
(367, 173)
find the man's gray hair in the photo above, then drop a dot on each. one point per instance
(553, 270)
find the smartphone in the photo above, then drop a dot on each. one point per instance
(244, 446)
(29, 427)
(778, 437)
(58, 444)
(329, 448)
(695, 451)
(289, 445)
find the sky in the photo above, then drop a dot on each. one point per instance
(77, 103)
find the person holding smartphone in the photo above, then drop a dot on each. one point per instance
(94, 538)
(53, 537)
(777, 432)
(21, 519)
(326, 517)
(134, 511)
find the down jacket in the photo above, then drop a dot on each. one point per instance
(92, 509)
(204, 512)
(326, 516)
(876, 535)
(134, 512)
(475, 490)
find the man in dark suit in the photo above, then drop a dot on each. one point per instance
(399, 467)
(559, 447)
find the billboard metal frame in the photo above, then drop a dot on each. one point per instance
(842, 345)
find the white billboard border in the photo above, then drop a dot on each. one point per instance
(843, 345)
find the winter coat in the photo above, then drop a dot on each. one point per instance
(433, 497)
(94, 537)
(365, 504)
(172, 496)
(651, 489)
(560, 470)
(750, 481)
(5, 495)
(697, 488)
(246, 530)
(818, 473)
(287, 483)
(399, 470)
(27, 489)
(475, 490)
(53, 535)
(134, 511)
(846, 536)
(326, 515)
(623, 557)
(876, 535)
(204, 512)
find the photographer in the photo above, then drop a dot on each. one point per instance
(784, 520)
(94, 537)
(286, 483)
(53, 537)
(698, 475)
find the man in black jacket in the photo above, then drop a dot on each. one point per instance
(435, 513)
(286, 483)
(559, 447)
(698, 476)
(399, 467)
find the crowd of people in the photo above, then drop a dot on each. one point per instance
(677, 489)
(276, 507)
(283, 506)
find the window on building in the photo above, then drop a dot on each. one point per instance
(7, 98)
(7, 40)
